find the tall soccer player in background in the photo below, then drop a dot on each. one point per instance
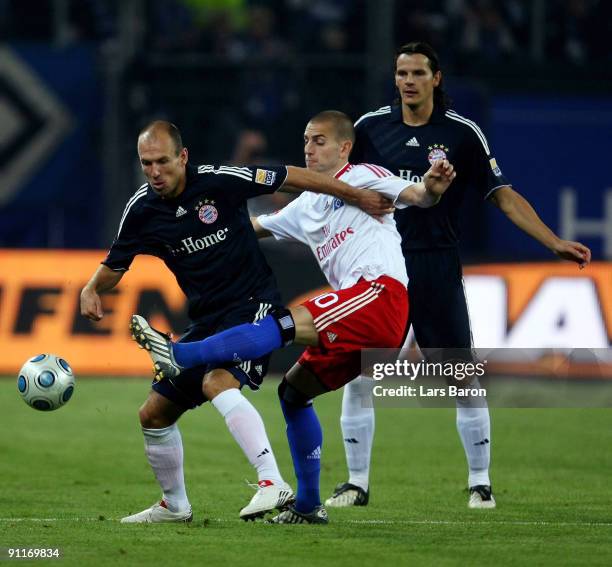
(362, 260)
(406, 138)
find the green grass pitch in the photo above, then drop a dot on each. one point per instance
(68, 476)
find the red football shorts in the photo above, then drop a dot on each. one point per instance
(370, 314)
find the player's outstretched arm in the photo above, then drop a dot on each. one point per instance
(103, 279)
(371, 202)
(435, 182)
(523, 215)
(260, 231)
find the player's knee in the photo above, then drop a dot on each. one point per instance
(157, 412)
(211, 388)
(286, 325)
(357, 397)
(218, 381)
(361, 387)
(150, 418)
(291, 395)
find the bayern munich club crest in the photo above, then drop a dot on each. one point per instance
(207, 212)
(437, 152)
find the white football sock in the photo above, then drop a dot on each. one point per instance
(474, 427)
(164, 450)
(247, 428)
(357, 424)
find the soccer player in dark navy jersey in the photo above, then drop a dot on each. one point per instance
(407, 138)
(196, 220)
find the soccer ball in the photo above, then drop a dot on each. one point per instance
(46, 382)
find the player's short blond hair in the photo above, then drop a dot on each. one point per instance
(341, 123)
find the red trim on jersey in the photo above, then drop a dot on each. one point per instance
(343, 170)
(371, 168)
(383, 172)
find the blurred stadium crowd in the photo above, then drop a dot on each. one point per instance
(485, 30)
(241, 77)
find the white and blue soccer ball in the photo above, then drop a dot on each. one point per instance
(46, 382)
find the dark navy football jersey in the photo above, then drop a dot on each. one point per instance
(382, 138)
(204, 236)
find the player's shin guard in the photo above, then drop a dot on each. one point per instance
(243, 342)
(357, 422)
(247, 428)
(164, 450)
(474, 427)
(305, 440)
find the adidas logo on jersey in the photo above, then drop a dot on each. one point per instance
(331, 336)
(316, 454)
(259, 369)
(180, 212)
(413, 142)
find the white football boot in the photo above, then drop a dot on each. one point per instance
(346, 495)
(481, 497)
(157, 514)
(159, 347)
(269, 496)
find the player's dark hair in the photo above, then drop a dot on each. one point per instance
(168, 128)
(341, 122)
(441, 99)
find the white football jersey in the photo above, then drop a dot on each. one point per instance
(348, 243)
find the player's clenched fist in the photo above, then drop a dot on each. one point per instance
(91, 306)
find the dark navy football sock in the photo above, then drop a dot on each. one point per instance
(305, 440)
(244, 342)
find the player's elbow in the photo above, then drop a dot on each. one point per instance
(505, 199)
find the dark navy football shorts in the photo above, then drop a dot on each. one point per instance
(186, 389)
(438, 306)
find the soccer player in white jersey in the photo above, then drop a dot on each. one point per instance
(362, 260)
